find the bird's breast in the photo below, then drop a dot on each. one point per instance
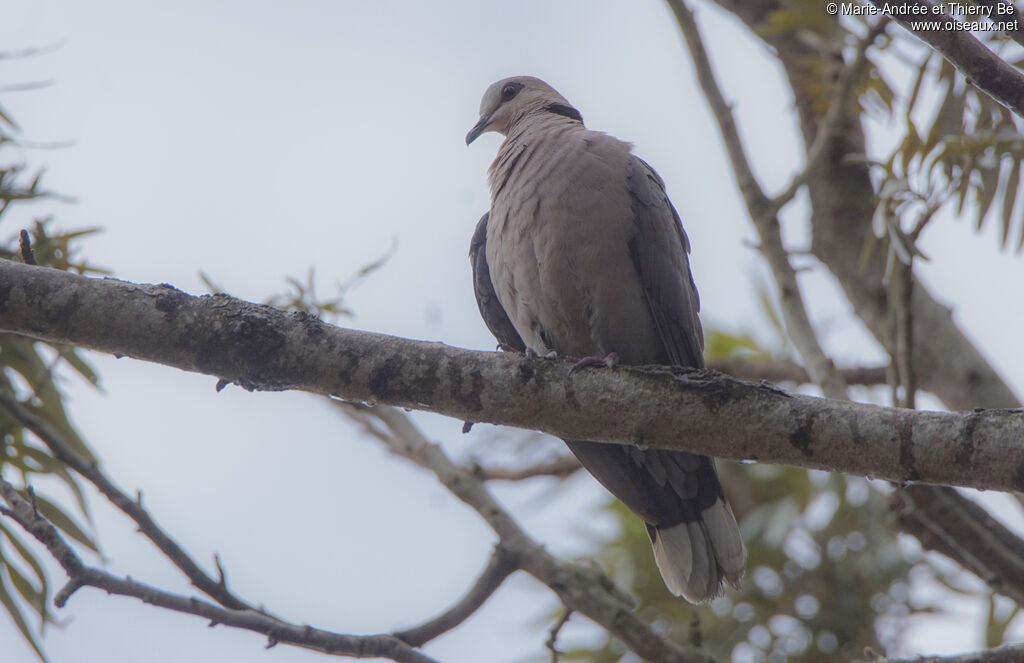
(558, 243)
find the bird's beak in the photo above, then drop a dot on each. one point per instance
(479, 128)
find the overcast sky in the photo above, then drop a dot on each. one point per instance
(254, 140)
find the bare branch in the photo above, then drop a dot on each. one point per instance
(986, 70)
(552, 641)
(276, 630)
(699, 411)
(782, 370)
(947, 522)
(763, 213)
(581, 589)
(62, 451)
(901, 289)
(560, 467)
(499, 567)
(832, 123)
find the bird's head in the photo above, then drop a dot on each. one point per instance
(506, 101)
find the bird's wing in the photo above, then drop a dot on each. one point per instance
(491, 310)
(660, 251)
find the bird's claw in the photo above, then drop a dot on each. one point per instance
(610, 360)
(532, 354)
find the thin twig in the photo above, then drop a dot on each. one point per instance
(695, 634)
(499, 567)
(62, 451)
(784, 370)
(33, 52)
(762, 212)
(903, 247)
(552, 642)
(25, 87)
(901, 290)
(560, 467)
(80, 575)
(832, 124)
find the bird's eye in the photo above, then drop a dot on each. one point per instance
(509, 91)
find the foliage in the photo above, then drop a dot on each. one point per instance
(30, 370)
(825, 574)
(302, 295)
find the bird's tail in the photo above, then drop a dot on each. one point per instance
(695, 557)
(697, 544)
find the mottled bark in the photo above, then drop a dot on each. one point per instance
(260, 347)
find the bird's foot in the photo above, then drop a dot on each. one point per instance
(610, 360)
(532, 354)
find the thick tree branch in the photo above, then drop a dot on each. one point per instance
(264, 348)
(986, 70)
(81, 575)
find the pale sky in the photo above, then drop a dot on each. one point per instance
(253, 140)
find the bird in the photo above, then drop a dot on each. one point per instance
(582, 255)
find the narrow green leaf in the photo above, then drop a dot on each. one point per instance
(986, 191)
(949, 118)
(51, 465)
(18, 618)
(74, 358)
(1009, 199)
(82, 232)
(965, 182)
(62, 521)
(1020, 238)
(33, 562)
(936, 157)
(211, 285)
(911, 146)
(877, 84)
(916, 89)
(994, 630)
(867, 252)
(5, 116)
(32, 596)
(25, 358)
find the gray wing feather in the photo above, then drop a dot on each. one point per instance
(660, 251)
(491, 310)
